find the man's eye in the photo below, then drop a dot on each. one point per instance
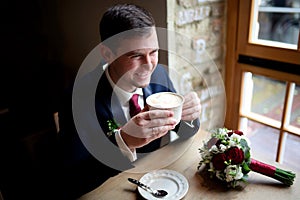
(155, 51)
(135, 56)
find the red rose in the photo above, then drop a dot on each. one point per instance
(218, 161)
(235, 154)
(236, 132)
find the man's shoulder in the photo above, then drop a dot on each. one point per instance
(160, 74)
(160, 69)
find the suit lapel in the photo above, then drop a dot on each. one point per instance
(109, 104)
(117, 111)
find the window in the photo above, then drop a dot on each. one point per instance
(275, 23)
(270, 111)
(263, 75)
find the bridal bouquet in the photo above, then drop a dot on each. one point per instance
(227, 156)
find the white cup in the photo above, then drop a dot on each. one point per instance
(166, 101)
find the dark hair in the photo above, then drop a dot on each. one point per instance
(123, 17)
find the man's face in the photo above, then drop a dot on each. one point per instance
(136, 59)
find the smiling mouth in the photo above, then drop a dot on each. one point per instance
(142, 75)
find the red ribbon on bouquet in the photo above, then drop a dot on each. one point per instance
(281, 175)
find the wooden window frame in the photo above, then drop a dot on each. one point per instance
(283, 125)
(238, 20)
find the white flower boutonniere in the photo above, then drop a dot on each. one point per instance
(112, 127)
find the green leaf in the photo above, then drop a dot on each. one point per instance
(245, 148)
(245, 168)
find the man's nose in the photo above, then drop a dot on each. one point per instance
(147, 61)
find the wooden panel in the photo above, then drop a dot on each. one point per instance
(232, 69)
(281, 76)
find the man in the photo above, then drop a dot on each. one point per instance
(131, 67)
(130, 49)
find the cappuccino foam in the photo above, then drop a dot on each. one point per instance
(165, 100)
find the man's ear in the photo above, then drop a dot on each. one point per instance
(107, 53)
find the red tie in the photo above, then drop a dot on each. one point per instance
(134, 107)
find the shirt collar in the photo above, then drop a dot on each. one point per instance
(123, 95)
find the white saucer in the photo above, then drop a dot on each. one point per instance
(173, 182)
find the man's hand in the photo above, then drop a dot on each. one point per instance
(191, 107)
(146, 127)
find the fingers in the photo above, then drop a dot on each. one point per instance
(156, 131)
(155, 118)
(190, 116)
(191, 108)
(136, 142)
(154, 114)
(150, 123)
(191, 100)
(160, 131)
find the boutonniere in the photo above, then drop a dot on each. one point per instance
(112, 127)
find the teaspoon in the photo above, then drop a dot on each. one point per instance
(156, 193)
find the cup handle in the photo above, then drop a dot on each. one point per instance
(190, 124)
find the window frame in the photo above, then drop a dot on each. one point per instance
(238, 20)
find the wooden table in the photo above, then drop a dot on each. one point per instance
(200, 187)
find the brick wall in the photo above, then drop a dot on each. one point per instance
(197, 53)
